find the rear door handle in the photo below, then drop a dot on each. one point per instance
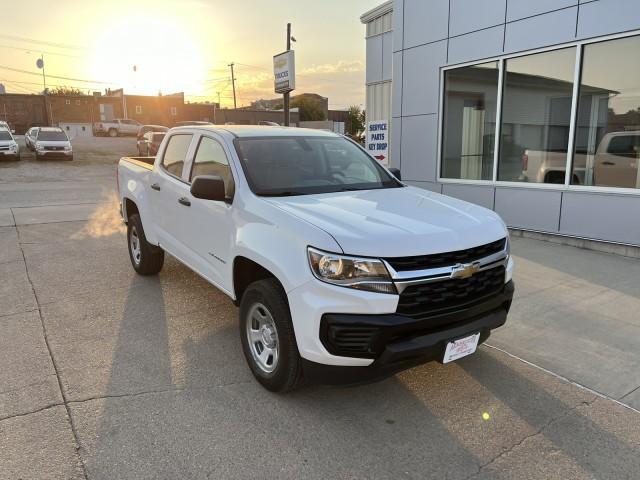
(184, 201)
(156, 187)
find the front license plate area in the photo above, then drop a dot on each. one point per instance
(461, 348)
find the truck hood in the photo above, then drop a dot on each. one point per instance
(54, 143)
(396, 222)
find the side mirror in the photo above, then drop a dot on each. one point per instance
(396, 173)
(208, 187)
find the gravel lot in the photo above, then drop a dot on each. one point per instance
(109, 375)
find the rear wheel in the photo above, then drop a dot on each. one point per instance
(267, 336)
(146, 259)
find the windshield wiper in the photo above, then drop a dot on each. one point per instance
(288, 193)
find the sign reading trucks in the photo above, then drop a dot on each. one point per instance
(284, 71)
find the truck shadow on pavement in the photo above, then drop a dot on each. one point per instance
(180, 403)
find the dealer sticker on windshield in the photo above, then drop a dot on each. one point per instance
(461, 348)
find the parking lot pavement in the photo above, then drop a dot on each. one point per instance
(110, 375)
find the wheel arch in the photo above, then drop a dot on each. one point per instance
(245, 272)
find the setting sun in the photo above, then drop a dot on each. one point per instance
(146, 55)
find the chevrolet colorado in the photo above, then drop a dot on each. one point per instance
(343, 274)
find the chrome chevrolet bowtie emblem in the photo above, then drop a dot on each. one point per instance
(465, 270)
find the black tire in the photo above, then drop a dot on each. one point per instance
(113, 132)
(37, 157)
(287, 374)
(148, 259)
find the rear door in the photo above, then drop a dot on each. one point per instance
(618, 165)
(167, 191)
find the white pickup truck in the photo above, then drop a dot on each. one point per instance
(117, 127)
(343, 274)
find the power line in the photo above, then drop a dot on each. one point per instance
(41, 42)
(57, 77)
(29, 50)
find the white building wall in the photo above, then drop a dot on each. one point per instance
(430, 35)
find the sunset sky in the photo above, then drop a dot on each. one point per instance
(186, 46)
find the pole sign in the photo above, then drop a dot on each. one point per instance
(284, 71)
(378, 140)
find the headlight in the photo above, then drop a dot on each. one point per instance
(368, 274)
(38, 146)
(13, 147)
(67, 148)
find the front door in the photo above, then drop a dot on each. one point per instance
(211, 234)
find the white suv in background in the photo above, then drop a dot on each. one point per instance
(9, 149)
(52, 142)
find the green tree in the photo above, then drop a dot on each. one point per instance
(65, 91)
(355, 121)
(310, 109)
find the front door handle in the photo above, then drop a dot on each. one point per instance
(608, 163)
(155, 186)
(184, 201)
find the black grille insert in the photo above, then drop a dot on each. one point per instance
(350, 339)
(420, 301)
(446, 259)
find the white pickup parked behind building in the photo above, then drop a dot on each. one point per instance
(342, 273)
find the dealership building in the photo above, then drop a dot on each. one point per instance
(529, 108)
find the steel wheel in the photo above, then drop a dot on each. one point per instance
(134, 244)
(262, 337)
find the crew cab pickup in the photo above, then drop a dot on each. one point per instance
(117, 127)
(343, 274)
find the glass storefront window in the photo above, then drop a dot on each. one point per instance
(470, 100)
(536, 117)
(607, 143)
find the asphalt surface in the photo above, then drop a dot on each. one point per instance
(109, 375)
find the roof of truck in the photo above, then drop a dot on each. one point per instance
(243, 131)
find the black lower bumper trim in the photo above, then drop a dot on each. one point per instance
(407, 344)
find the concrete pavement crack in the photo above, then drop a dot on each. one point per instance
(50, 351)
(528, 437)
(629, 393)
(155, 392)
(26, 414)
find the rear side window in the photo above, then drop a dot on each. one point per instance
(211, 159)
(176, 153)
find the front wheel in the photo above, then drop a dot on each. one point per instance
(113, 132)
(268, 339)
(147, 259)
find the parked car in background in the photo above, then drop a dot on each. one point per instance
(52, 142)
(6, 126)
(116, 128)
(342, 273)
(9, 149)
(191, 123)
(148, 145)
(151, 128)
(30, 138)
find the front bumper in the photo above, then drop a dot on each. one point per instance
(9, 155)
(59, 154)
(395, 342)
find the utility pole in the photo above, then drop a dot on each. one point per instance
(233, 83)
(40, 65)
(287, 96)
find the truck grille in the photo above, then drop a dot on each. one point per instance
(446, 259)
(54, 149)
(422, 300)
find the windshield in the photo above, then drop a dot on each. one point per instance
(4, 135)
(52, 135)
(282, 166)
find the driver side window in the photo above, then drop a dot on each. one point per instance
(211, 159)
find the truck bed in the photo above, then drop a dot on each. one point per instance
(144, 162)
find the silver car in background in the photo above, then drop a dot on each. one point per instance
(52, 142)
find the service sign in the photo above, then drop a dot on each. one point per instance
(284, 71)
(378, 140)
